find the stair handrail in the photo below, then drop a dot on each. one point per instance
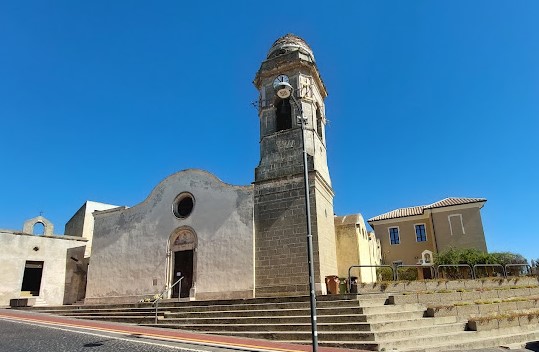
(160, 297)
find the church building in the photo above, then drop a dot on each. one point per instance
(227, 241)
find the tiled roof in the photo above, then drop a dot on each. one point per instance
(418, 210)
(454, 201)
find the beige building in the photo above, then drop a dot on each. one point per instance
(356, 246)
(81, 223)
(412, 235)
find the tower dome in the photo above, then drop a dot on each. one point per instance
(289, 42)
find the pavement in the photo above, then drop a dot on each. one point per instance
(64, 334)
(189, 340)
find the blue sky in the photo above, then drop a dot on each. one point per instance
(101, 100)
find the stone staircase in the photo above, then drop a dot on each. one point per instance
(352, 321)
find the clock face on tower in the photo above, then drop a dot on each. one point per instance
(280, 79)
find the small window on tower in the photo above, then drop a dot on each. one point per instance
(319, 122)
(283, 115)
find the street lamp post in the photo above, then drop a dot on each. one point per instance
(284, 90)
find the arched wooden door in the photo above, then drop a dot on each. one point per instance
(183, 243)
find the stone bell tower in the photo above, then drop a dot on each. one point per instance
(281, 266)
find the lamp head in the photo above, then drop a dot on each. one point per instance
(283, 90)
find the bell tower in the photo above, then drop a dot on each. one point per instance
(281, 266)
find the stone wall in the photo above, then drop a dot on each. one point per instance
(16, 248)
(355, 246)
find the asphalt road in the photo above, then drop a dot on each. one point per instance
(29, 337)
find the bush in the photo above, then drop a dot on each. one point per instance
(472, 257)
(408, 274)
(384, 274)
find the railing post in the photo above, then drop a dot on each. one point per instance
(156, 302)
(156, 307)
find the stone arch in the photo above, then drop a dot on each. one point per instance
(283, 115)
(48, 227)
(182, 254)
(183, 238)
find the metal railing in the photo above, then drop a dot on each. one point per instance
(440, 270)
(527, 266)
(367, 266)
(488, 266)
(160, 297)
(472, 274)
(431, 267)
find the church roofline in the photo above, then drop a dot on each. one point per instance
(156, 188)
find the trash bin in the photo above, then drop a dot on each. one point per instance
(353, 284)
(332, 284)
(343, 288)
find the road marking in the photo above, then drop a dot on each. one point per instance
(209, 343)
(107, 336)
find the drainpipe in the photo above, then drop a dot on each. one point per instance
(433, 232)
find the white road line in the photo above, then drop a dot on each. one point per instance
(108, 336)
(53, 325)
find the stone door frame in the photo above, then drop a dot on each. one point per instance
(184, 238)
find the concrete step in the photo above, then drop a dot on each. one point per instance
(305, 337)
(330, 332)
(337, 304)
(141, 320)
(304, 327)
(175, 303)
(474, 340)
(407, 331)
(266, 306)
(392, 308)
(401, 315)
(40, 302)
(424, 323)
(97, 312)
(305, 318)
(266, 312)
(421, 322)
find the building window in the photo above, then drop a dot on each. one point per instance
(420, 233)
(456, 226)
(394, 235)
(183, 205)
(319, 122)
(283, 114)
